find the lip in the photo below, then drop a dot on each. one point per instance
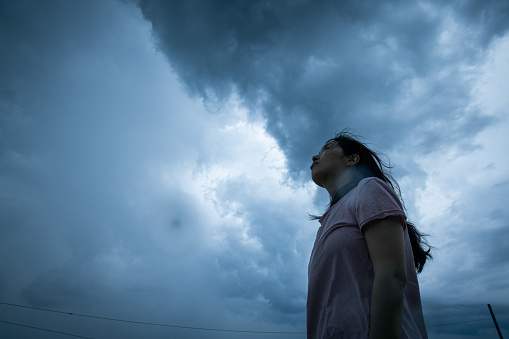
(313, 165)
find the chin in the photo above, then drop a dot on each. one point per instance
(316, 181)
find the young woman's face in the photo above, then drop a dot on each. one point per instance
(330, 161)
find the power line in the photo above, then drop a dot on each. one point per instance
(460, 322)
(45, 329)
(183, 327)
(151, 324)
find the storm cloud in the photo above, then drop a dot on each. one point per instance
(311, 67)
(154, 157)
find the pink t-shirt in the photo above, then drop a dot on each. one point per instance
(340, 272)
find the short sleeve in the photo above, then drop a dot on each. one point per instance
(377, 200)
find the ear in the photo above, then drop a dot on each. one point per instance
(353, 159)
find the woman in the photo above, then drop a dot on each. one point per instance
(362, 271)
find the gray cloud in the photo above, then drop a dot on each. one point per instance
(110, 199)
(271, 268)
(317, 67)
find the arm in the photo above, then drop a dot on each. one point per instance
(386, 246)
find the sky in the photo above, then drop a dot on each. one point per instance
(154, 158)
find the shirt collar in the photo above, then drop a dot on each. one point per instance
(343, 190)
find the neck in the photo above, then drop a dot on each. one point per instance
(343, 190)
(336, 183)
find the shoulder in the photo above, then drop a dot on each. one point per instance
(376, 199)
(376, 191)
(373, 184)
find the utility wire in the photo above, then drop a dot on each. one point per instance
(460, 322)
(148, 323)
(45, 329)
(188, 327)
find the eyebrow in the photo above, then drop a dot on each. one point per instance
(327, 144)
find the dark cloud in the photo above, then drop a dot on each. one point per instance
(488, 19)
(119, 197)
(86, 129)
(263, 263)
(313, 68)
(479, 259)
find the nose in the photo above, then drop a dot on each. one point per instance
(315, 158)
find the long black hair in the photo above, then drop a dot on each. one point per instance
(371, 165)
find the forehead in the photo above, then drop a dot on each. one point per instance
(330, 143)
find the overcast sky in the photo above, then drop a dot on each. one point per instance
(154, 157)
